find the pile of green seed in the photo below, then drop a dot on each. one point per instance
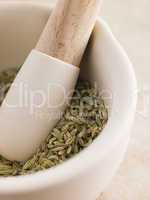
(81, 123)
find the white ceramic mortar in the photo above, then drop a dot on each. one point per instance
(106, 64)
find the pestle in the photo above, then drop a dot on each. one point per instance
(44, 85)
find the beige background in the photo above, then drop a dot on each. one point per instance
(130, 22)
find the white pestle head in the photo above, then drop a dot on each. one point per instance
(34, 104)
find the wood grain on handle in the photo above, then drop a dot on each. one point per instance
(68, 29)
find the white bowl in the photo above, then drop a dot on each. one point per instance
(107, 65)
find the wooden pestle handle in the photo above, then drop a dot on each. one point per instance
(68, 29)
